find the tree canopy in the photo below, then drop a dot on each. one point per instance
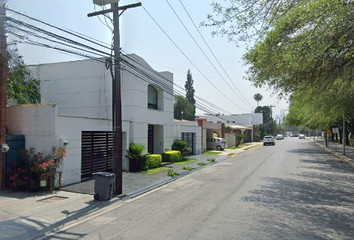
(22, 88)
(303, 49)
(183, 109)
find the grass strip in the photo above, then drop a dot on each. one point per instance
(156, 170)
(185, 162)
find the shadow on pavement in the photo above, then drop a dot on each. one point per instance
(319, 206)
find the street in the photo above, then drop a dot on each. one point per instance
(293, 190)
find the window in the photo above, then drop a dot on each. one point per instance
(152, 97)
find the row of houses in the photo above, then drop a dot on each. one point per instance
(76, 114)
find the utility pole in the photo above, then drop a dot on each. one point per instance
(116, 90)
(343, 138)
(3, 89)
(271, 117)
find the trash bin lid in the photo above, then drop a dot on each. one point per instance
(104, 174)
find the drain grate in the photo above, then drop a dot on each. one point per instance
(52, 199)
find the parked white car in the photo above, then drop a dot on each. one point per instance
(279, 137)
(216, 143)
(268, 140)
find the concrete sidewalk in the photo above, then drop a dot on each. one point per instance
(36, 215)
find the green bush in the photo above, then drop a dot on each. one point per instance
(181, 146)
(172, 156)
(151, 161)
(172, 173)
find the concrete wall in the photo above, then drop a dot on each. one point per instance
(44, 129)
(37, 123)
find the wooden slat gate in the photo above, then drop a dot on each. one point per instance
(96, 152)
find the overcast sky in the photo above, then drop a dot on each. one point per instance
(141, 35)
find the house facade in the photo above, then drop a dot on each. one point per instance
(76, 109)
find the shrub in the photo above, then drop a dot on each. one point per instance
(238, 137)
(135, 151)
(181, 146)
(136, 156)
(151, 161)
(171, 173)
(201, 163)
(211, 159)
(35, 167)
(187, 168)
(172, 156)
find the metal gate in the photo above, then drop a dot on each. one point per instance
(96, 152)
(13, 156)
(189, 139)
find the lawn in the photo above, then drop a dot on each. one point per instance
(240, 146)
(156, 170)
(211, 153)
(185, 162)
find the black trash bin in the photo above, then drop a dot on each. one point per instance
(104, 182)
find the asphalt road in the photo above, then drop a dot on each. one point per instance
(293, 190)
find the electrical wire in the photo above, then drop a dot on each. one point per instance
(188, 58)
(24, 39)
(185, 27)
(212, 52)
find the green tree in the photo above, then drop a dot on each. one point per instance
(190, 91)
(268, 123)
(189, 88)
(257, 97)
(183, 109)
(301, 48)
(22, 88)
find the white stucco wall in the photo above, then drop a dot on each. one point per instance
(36, 122)
(244, 119)
(81, 92)
(189, 127)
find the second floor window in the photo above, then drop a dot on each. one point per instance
(152, 97)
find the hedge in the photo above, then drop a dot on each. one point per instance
(172, 156)
(152, 161)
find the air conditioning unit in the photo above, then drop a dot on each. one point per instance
(104, 2)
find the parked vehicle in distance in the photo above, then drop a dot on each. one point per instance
(302, 136)
(268, 140)
(279, 137)
(216, 143)
(295, 134)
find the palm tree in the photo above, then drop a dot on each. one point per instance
(258, 97)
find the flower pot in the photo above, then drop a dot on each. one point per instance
(43, 183)
(134, 165)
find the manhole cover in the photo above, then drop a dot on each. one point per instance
(52, 199)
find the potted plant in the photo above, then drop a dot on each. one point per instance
(135, 154)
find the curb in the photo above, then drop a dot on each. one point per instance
(340, 156)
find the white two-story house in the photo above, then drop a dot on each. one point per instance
(76, 113)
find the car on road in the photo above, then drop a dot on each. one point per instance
(268, 140)
(216, 143)
(279, 137)
(302, 136)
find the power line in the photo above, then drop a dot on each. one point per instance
(58, 28)
(205, 106)
(217, 60)
(188, 58)
(202, 104)
(180, 20)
